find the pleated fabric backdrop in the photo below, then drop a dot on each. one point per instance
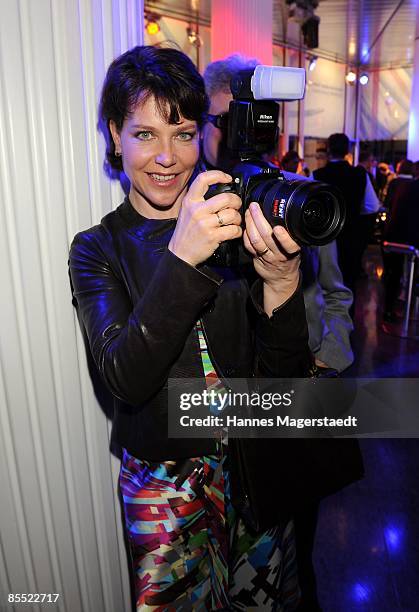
(59, 513)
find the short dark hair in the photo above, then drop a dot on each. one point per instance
(162, 72)
(290, 156)
(364, 156)
(405, 166)
(338, 145)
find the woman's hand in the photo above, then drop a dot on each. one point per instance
(203, 224)
(276, 257)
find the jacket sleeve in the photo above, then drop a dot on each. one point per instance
(135, 345)
(388, 201)
(335, 349)
(282, 339)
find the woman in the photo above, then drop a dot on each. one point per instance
(153, 309)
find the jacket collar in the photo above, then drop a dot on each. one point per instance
(145, 229)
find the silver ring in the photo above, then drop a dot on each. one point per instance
(220, 219)
(263, 252)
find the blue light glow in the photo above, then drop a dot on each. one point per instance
(393, 536)
(413, 138)
(364, 51)
(365, 42)
(361, 592)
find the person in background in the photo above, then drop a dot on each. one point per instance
(407, 214)
(327, 300)
(402, 226)
(349, 157)
(321, 157)
(383, 178)
(400, 185)
(352, 183)
(367, 161)
(370, 204)
(291, 162)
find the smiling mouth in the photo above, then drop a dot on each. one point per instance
(162, 178)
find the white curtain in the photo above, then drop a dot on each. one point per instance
(59, 513)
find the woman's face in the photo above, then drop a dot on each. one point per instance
(157, 157)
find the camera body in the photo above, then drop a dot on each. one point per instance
(312, 212)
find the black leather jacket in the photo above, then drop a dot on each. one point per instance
(139, 304)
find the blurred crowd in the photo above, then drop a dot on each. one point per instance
(383, 207)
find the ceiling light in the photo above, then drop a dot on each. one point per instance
(193, 37)
(313, 62)
(364, 78)
(351, 77)
(152, 27)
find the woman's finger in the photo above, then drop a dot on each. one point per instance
(256, 240)
(262, 228)
(287, 243)
(203, 181)
(228, 232)
(220, 201)
(248, 244)
(226, 216)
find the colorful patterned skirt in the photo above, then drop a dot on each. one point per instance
(190, 550)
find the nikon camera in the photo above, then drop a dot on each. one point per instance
(312, 212)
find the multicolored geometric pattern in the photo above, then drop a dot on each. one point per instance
(189, 548)
(213, 383)
(177, 532)
(211, 377)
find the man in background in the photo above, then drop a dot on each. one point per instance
(370, 204)
(326, 297)
(367, 161)
(352, 183)
(291, 162)
(383, 177)
(402, 227)
(400, 185)
(321, 157)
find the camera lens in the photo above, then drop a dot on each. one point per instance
(319, 215)
(315, 212)
(312, 212)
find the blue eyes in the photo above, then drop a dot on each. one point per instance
(146, 136)
(185, 136)
(143, 135)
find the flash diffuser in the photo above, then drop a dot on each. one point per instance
(278, 83)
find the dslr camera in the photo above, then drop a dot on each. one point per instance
(312, 212)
